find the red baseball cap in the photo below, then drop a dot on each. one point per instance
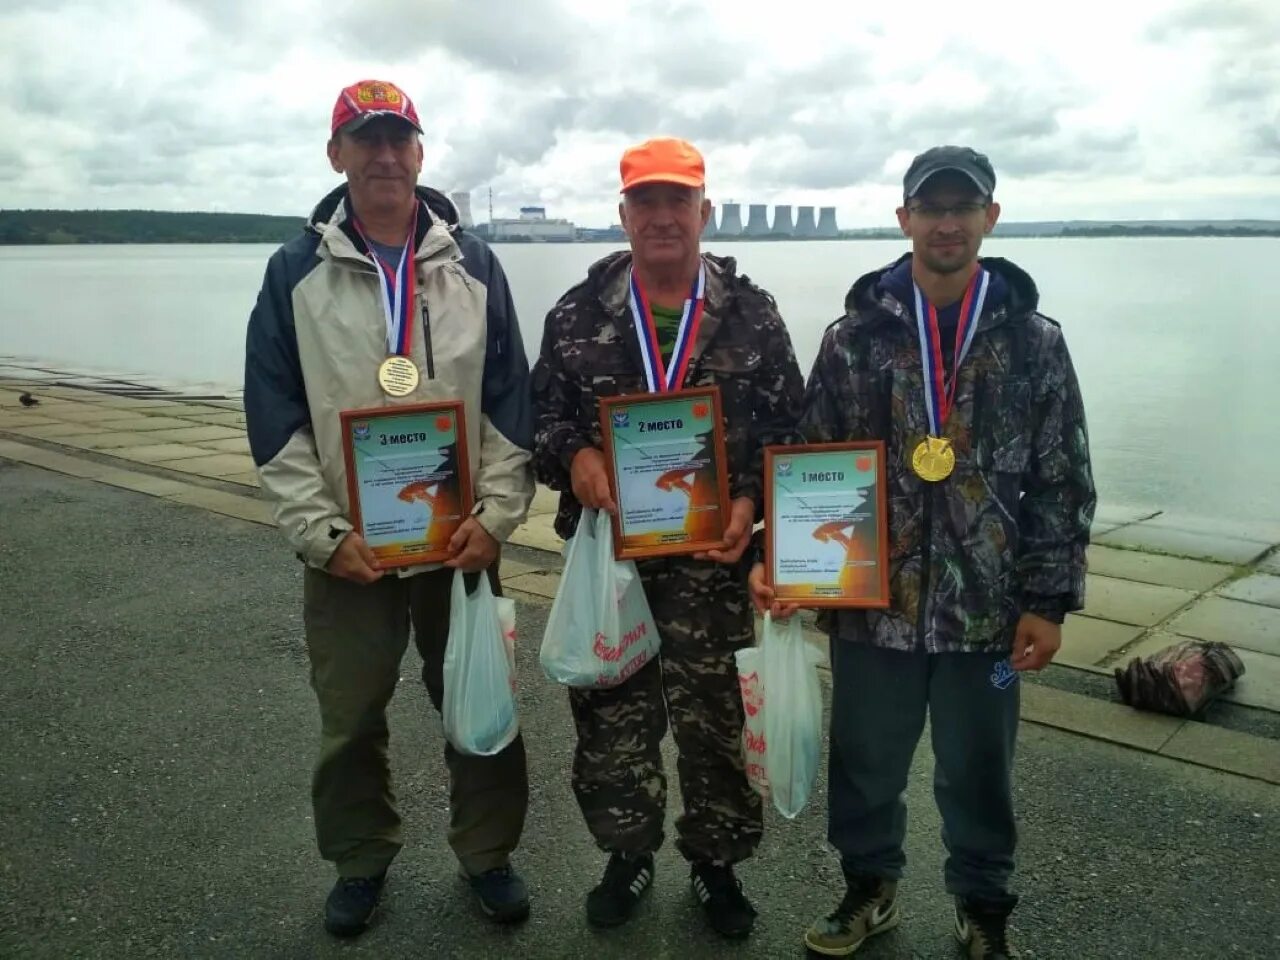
(366, 99)
(662, 160)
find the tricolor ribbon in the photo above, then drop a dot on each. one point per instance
(397, 290)
(939, 394)
(669, 376)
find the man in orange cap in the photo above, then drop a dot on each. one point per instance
(711, 326)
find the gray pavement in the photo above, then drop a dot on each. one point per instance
(158, 731)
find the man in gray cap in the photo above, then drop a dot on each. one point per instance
(946, 358)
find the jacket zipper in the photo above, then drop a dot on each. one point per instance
(926, 555)
(426, 341)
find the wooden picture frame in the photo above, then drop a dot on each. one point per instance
(819, 580)
(650, 521)
(416, 465)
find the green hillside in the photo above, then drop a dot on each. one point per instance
(142, 226)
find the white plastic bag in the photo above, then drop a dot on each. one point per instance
(600, 630)
(479, 706)
(782, 737)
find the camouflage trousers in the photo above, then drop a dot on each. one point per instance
(703, 615)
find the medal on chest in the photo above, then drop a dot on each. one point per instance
(398, 375)
(659, 376)
(934, 458)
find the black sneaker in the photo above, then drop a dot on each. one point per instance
(501, 894)
(869, 907)
(720, 893)
(624, 882)
(982, 927)
(351, 904)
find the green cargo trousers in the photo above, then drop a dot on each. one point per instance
(356, 637)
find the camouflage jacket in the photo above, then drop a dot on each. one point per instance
(1006, 533)
(589, 351)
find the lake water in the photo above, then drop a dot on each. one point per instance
(1176, 351)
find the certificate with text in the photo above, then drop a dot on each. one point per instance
(408, 480)
(666, 462)
(826, 525)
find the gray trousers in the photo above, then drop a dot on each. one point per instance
(879, 700)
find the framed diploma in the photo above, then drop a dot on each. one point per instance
(827, 524)
(666, 463)
(408, 479)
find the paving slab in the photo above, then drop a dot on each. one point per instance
(1233, 622)
(87, 413)
(510, 569)
(1183, 543)
(1125, 601)
(225, 418)
(185, 410)
(213, 465)
(545, 500)
(158, 452)
(103, 441)
(1099, 719)
(540, 583)
(52, 460)
(21, 418)
(1240, 753)
(1086, 641)
(227, 504)
(244, 479)
(1270, 563)
(237, 444)
(539, 533)
(48, 431)
(1197, 575)
(1261, 530)
(197, 433)
(137, 403)
(1263, 588)
(1115, 515)
(142, 482)
(144, 424)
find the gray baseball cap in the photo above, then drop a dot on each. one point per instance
(964, 160)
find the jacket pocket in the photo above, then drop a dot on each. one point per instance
(1002, 427)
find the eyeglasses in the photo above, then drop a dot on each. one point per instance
(936, 211)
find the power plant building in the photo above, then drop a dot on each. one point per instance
(462, 200)
(730, 220)
(709, 230)
(757, 221)
(532, 224)
(827, 222)
(782, 225)
(806, 226)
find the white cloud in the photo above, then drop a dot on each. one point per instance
(1142, 109)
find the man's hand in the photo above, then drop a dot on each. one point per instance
(763, 597)
(742, 513)
(1035, 643)
(471, 547)
(591, 481)
(354, 561)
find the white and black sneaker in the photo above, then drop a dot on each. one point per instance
(982, 927)
(720, 893)
(625, 880)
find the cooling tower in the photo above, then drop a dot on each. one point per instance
(463, 202)
(709, 231)
(782, 221)
(805, 226)
(757, 221)
(730, 220)
(827, 222)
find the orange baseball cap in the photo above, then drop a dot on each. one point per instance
(662, 160)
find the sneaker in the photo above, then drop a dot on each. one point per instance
(982, 927)
(870, 906)
(501, 894)
(720, 893)
(614, 899)
(352, 903)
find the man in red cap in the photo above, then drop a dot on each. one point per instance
(711, 326)
(384, 299)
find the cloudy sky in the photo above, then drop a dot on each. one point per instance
(1115, 109)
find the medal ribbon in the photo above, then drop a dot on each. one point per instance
(659, 376)
(397, 289)
(939, 395)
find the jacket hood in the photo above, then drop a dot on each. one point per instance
(867, 302)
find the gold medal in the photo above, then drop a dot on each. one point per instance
(398, 376)
(933, 459)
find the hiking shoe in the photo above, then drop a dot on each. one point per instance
(501, 894)
(870, 906)
(720, 892)
(615, 897)
(352, 903)
(982, 927)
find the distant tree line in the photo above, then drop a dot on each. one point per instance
(143, 226)
(1153, 230)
